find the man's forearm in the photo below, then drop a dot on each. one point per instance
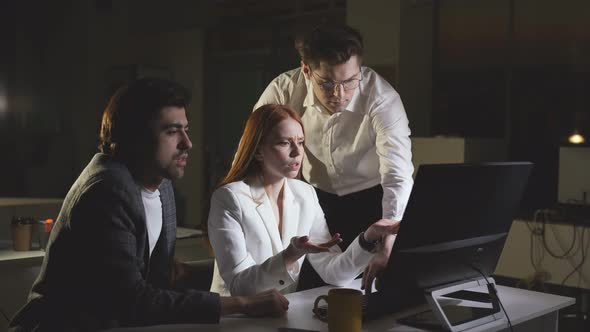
(232, 305)
(267, 303)
(388, 241)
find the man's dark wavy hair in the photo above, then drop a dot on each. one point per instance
(332, 44)
(131, 110)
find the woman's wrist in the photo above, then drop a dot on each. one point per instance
(291, 255)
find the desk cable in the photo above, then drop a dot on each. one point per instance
(540, 220)
(545, 218)
(494, 295)
(584, 249)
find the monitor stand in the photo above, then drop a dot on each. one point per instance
(458, 306)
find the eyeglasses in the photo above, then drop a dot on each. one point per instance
(329, 86)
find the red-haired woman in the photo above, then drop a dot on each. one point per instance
(263, 221)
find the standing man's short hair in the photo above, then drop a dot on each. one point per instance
(331, 44)
(129, 113)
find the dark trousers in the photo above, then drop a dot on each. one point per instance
(348, 215)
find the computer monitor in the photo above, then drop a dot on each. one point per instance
(454, 228)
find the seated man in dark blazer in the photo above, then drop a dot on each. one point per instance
(109, 260)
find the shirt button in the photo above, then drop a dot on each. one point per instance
(281, 282)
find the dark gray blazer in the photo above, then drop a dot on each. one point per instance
(97, 272)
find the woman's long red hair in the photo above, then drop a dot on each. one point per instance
(259, 125)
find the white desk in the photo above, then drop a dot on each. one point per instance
(23, 201)
(531, 311)
(7, 254)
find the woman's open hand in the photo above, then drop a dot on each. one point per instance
(300, 246)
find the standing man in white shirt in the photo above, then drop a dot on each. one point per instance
(358, 148)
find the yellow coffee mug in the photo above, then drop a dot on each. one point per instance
(344, 312)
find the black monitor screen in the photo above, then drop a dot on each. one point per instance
(456, 222)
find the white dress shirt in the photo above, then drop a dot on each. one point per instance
(346, 152)
(248, 245)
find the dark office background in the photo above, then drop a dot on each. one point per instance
(514, 70)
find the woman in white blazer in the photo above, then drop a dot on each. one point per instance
(263, 222)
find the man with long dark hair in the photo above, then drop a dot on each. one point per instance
(109, 260)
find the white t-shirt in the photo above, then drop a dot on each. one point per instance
(153, 215)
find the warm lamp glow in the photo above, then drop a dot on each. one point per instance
(576, 139)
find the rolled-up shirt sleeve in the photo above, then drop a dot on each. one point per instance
(394, 149)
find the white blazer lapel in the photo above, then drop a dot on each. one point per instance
(291, 211)
(264, 209)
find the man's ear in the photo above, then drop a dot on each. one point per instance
(306, 70)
